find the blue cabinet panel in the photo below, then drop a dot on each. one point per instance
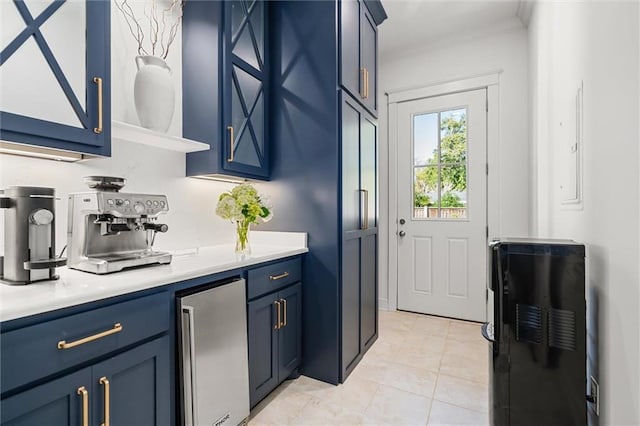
(92, 107)
(263, 347)
(369, 58)
(290, 334)
(55, 403)
(305, 154)
(368, 290)
(139, 386)
(225, 87)
(270, 278)
(359, 52)
(350, 72)
(350, 304)
(31, 353)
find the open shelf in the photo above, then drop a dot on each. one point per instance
(136, 134)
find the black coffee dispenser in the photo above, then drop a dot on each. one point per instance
(29, 235)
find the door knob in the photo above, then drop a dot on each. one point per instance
(402, 221)
(402, 233)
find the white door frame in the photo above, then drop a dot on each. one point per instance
(491, 83)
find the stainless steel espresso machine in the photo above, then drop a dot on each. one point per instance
(109, 230)
(29, 235)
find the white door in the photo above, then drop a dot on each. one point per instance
(442, 205)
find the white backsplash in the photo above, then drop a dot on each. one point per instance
(191, 218)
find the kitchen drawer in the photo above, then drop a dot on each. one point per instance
(36, 351)
(273, 277)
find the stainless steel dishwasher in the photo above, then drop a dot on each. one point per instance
(213, 354)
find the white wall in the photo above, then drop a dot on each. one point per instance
(124, 50)
(506, 51)
(598, 43)
(191, 219)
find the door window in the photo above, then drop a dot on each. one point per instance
(440, 165)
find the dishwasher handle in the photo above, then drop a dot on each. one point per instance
(189, 366)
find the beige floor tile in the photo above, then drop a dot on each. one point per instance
(417, 343)
(478, 350)
(466, 332)
(280, 410)
(355, 394)
(310, 386)
(371, 368)
(433, 326)
(411, 379)
(465, 367)
(426, 360)
(463, 393)
(446, 414)
(391, 406)
(324, 413)
(416, 358)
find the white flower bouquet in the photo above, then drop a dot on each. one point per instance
(244, 206)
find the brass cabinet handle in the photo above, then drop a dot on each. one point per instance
(107, 410)
(277, 326)
(363, 93)
(82, 391)
(232, 143)
(366, 209)
(98, 81)
(278, 277)
(117, 328)
(367, 84)
(284, 304)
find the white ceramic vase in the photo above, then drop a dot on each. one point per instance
(154, 93)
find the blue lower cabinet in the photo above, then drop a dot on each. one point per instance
(290, 333)
(263, 346)
(275, 341)
(132, 388)
(137, 385)
(56, 403)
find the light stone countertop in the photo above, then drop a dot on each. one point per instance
(76, 287)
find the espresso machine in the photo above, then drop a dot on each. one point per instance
(109, 230)
(29, 235)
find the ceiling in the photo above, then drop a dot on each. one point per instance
(420, 24)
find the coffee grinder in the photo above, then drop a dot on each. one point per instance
(29, 235)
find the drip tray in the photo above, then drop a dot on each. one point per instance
(117, 262)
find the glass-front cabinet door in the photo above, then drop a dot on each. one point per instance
(245, 91)
(54, 74)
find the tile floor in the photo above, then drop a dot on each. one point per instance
(423, 370)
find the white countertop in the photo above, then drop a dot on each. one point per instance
(76, 287)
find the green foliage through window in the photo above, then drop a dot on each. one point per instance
(446, 170)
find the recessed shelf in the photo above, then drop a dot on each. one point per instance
(131, 133)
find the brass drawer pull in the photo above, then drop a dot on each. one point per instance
(363, 93)
(277, 326)
(82, 391)
(98, 81)
(117, 328)
(284, 303)
(107, 410)
(278, 277)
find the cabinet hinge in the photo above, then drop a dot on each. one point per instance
(487, 229)
(486, 104)
(487, 168)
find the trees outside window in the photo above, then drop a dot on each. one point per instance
(441, 180)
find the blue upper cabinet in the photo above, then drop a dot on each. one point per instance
(225, 87)
(359, 51)
(55, 75)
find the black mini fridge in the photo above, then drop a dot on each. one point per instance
(538, 332)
